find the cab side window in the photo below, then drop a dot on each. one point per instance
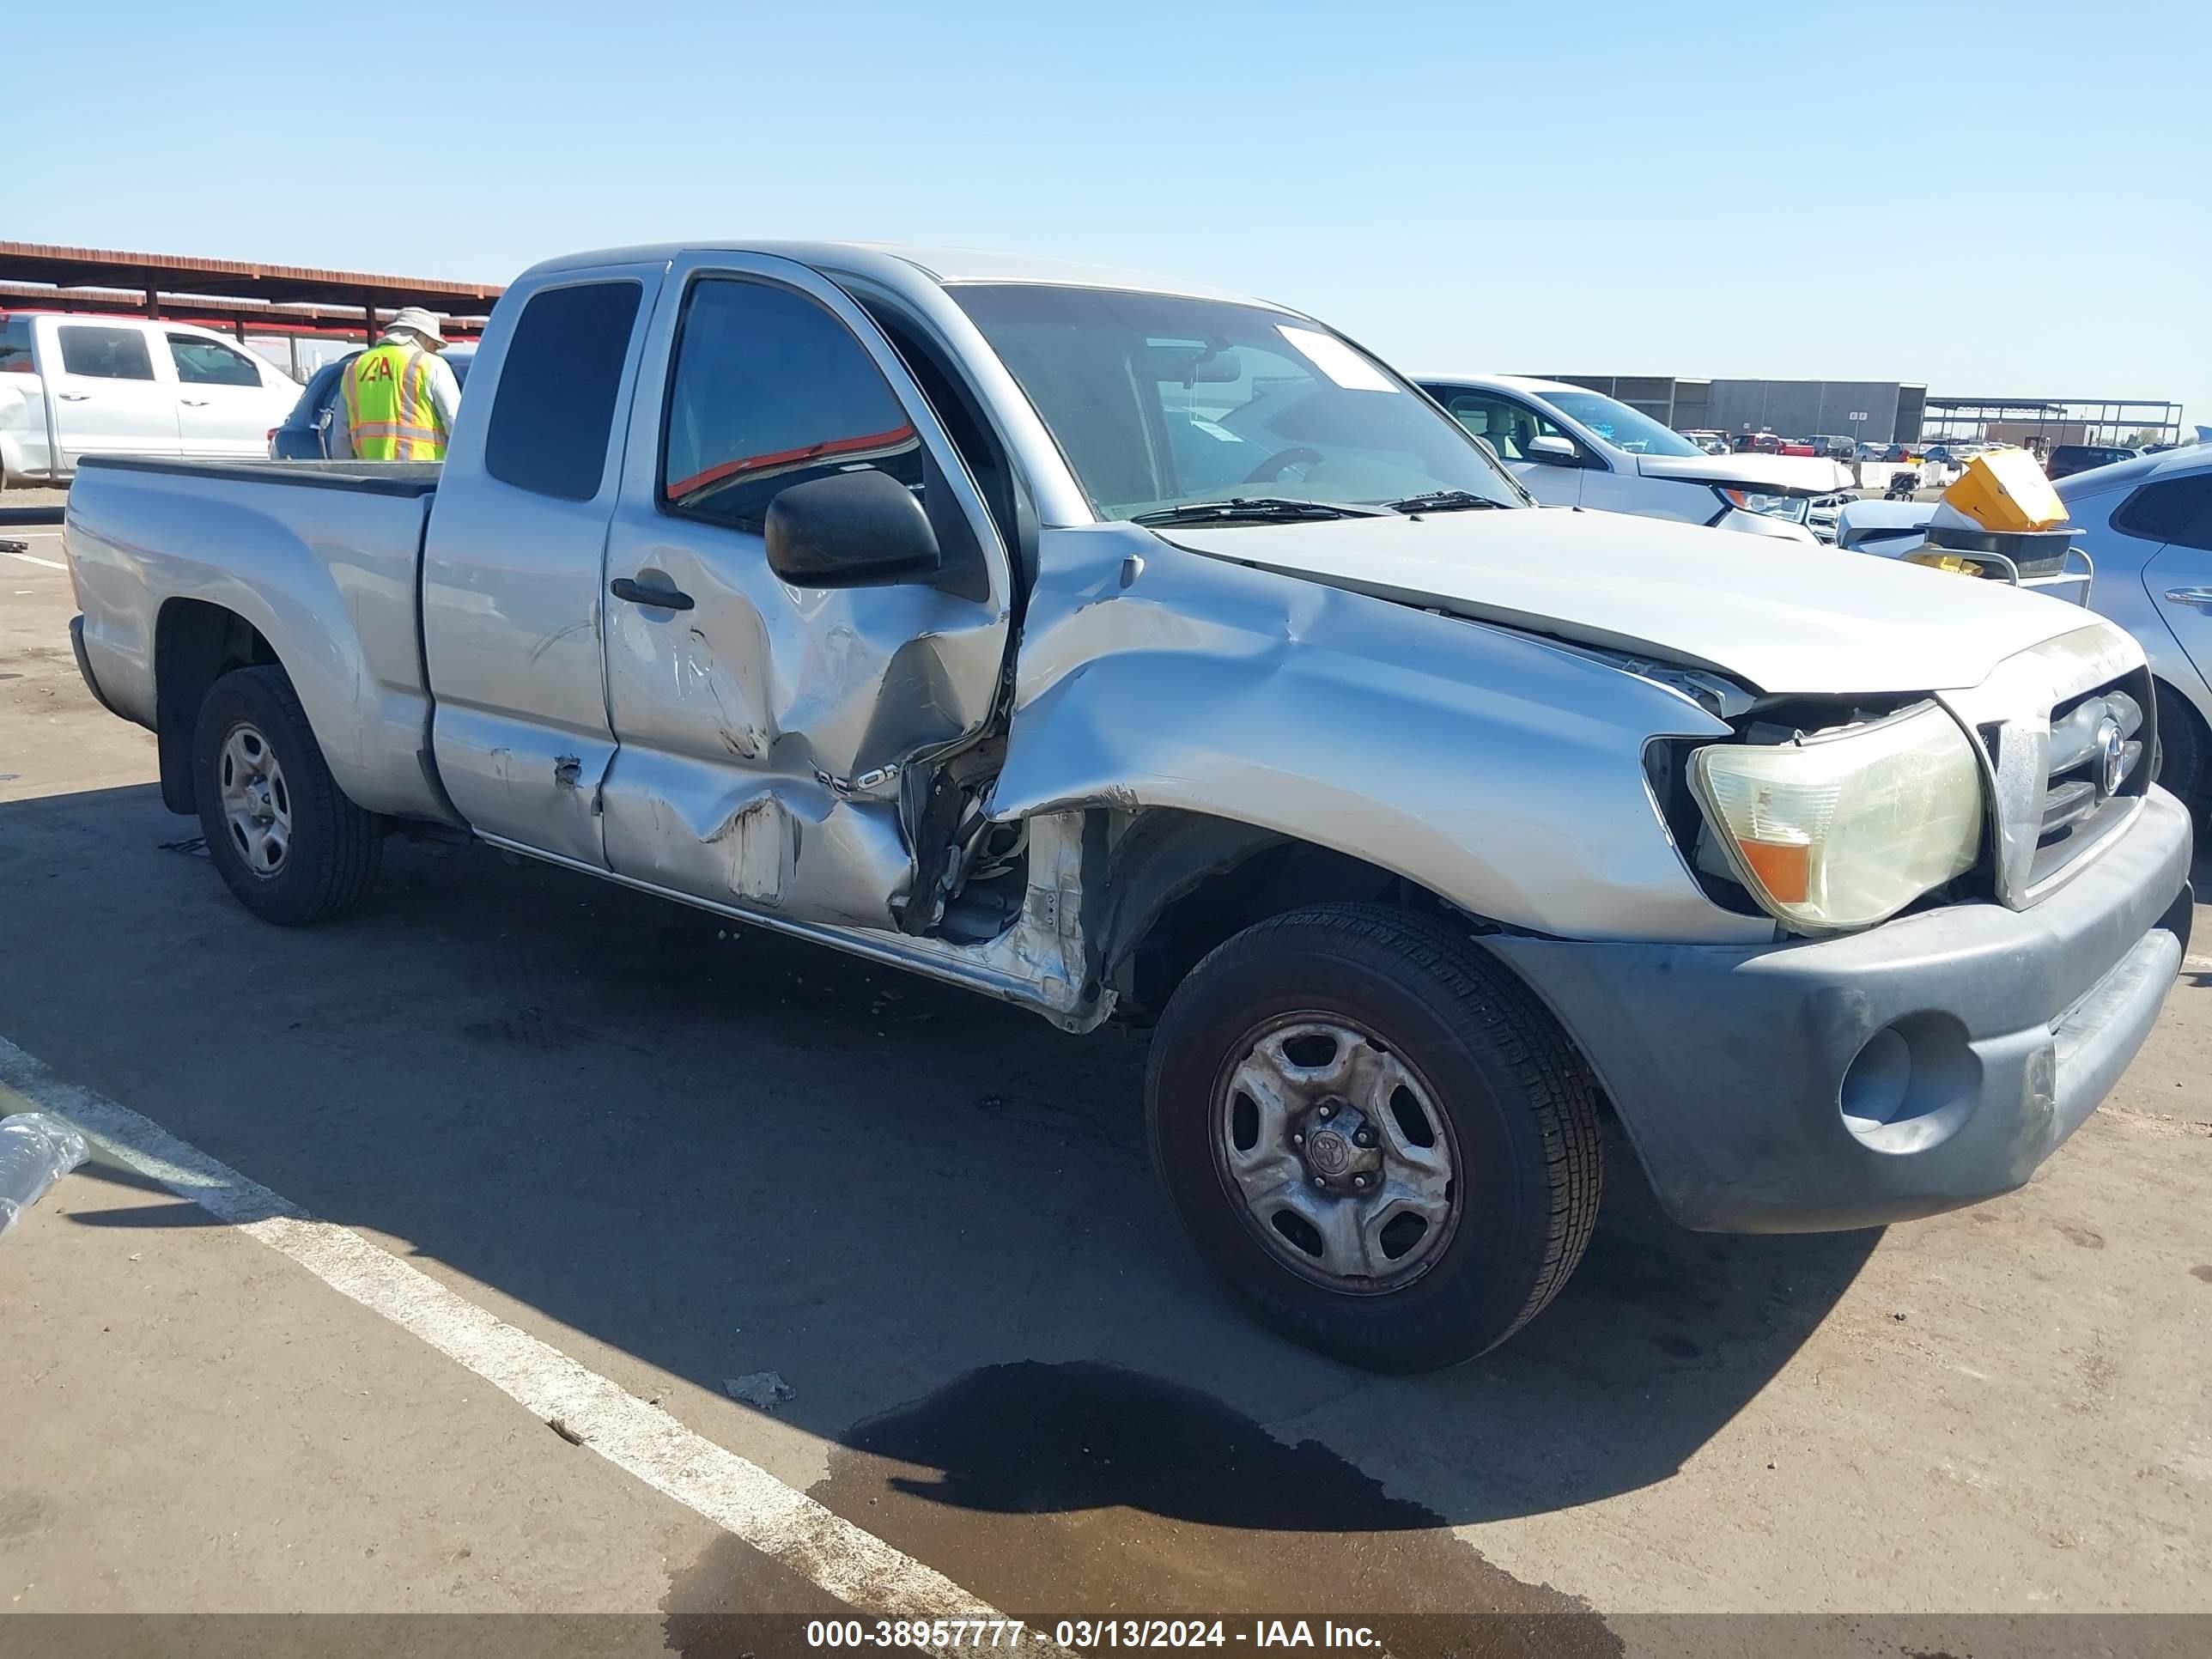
(558, 389)
(1505, 424)
(205, 362)
(771, 389)
(105, 354)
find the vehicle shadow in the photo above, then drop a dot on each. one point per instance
(723, 1152)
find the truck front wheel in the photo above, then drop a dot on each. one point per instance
(1374, 1133)
(292, 848)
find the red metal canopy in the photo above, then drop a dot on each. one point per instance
(229, 292)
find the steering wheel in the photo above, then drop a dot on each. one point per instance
(1298, 455)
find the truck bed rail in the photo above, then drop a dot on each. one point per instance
(402, 479)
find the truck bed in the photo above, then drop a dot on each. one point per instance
(403, 478)
(321, 559)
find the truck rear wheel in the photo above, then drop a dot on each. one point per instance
(292, 848)
(1374, 1133)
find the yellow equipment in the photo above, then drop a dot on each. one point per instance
(2006, 490)
(1936, 559)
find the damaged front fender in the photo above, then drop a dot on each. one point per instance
(1494, 768)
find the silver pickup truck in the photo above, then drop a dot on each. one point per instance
(1124, 650)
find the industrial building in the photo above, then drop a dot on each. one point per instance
(2044, 422)
(1879, 412)
(1886, 412)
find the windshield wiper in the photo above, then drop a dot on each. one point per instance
(1442, 501)
(1252, 509)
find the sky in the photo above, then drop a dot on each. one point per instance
(1990, 199)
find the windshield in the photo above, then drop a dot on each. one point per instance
(1620, 425)
(1158, 401)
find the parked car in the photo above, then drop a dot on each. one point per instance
(1958, 451)
(1756, 443)
(1835, 448)
(2146, 526)
(1713, 443)
(72, 386)
(1573, 447)
(305, 434)
(1115, 648)
(2067, 460)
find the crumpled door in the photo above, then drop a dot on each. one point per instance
(767, 732)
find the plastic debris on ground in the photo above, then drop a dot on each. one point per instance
(764, 1390)
(37, 1149)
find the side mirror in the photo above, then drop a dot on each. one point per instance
(1554, 451)
(849, 530)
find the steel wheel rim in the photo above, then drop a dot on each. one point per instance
(1335, 1152)
(256, 802)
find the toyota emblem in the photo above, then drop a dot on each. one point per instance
(1329, 1153)
(2111, 760)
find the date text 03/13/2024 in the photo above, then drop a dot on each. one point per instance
(1083, 1634)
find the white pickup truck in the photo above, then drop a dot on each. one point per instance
(76, 386)
(1125, 650)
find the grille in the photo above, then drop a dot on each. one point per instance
(2097, 769)
(2048, 718)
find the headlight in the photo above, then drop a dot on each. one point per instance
(1792, 508)
(1845, 830)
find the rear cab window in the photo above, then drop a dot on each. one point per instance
(558, 387)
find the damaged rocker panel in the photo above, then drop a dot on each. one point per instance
(1043, 961)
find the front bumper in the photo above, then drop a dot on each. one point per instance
(1982, 1038)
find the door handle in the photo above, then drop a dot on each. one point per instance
(74, 397)
(195, 403)
(659, 599)
(2199, 597)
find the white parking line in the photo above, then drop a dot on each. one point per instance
(852, 1564)
(2197, 964)
(32, 558)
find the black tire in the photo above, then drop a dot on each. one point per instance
(333, 848)
(2181, 749)
(1519, 1103)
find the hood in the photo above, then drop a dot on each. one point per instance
(1780, 617)
(1786, 475)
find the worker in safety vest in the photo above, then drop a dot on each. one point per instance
(398, 399)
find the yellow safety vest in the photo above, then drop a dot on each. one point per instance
(389, 414)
